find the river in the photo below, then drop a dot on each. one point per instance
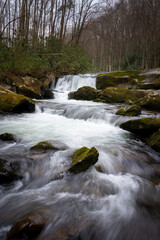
(116, 199)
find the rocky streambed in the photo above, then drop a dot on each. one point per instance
(69, 171)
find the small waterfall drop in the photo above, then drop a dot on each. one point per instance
(71, 83)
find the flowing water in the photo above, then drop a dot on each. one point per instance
(117, 199)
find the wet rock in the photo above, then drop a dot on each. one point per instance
(151, 101)
(7, 137)
(132, 110)
(8, 172)
(84, 93)
(29, 227)
(154, 141)
(15, 103)
(124, 79)
(44, 146)
(46, 92)
(143, 126)
(119, 95)
(83, 158)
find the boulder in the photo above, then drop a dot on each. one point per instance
(28, 227)
(15, 103)
(84, 93)
(83, 158)
(8, 172)
(124, 79)
(120, 95)
(154, 141)
(151, 101)
(43, 146)
(7, 137)
(132, 110)
(143, 126)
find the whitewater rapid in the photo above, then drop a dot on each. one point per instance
(103, 203)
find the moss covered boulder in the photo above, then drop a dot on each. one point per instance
(43, 146)
(132, 110)
(124, 79)
(28, 227)
(154, 141)
(143, 126)
(120, 95)
(16, 103)
(8, 172)
(83, 158)
(151, 101)
(84, 93)
(7, 137)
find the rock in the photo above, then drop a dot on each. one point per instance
(151, 101)
(8, 172)
(15, 103)
(30, 226)
(7, 137)
(154, 141)
(143, 126)
(83, 158)
(46, 93)
(132, 110)
(119, 95)
(84, 93)
(43, 146)
(151, 81)
(124, 79)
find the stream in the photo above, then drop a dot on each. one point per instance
(116, 199)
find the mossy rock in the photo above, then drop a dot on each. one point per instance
(8, 172)
(84, 93)
(16, 103)
(154, 141)
(151, 81)
(7, 137)
(43, 146)
(119, 95)
(151, 101)
(130, 111)
(143, 126)
(28, 227)
(83, 158)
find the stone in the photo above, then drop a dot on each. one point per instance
(30, 226)
(7, 137)
(43, 146)
(131, 111)
(154, 141)
(15, 103)
(84, 93)
(83, 158)
(143, 126)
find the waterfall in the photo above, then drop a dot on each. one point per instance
(71, 83)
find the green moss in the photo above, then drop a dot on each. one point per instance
(154, 141)
(12, 102)
(83, 158)
(84, 93)
(7, 137)
(150, 101)
(120, 111)
(133, 110)
(142, 126)
(43, 146)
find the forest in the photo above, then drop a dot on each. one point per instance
(78, 36)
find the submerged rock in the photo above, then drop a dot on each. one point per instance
(119, 95)
(8, 172)
(143, 126)
(15, 103)
(7, 137)
(28, 227)
(43, 146)
(83, 158)
(132, 110)
(154, 141)
(84, 93)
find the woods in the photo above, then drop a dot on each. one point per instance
(115, 35)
